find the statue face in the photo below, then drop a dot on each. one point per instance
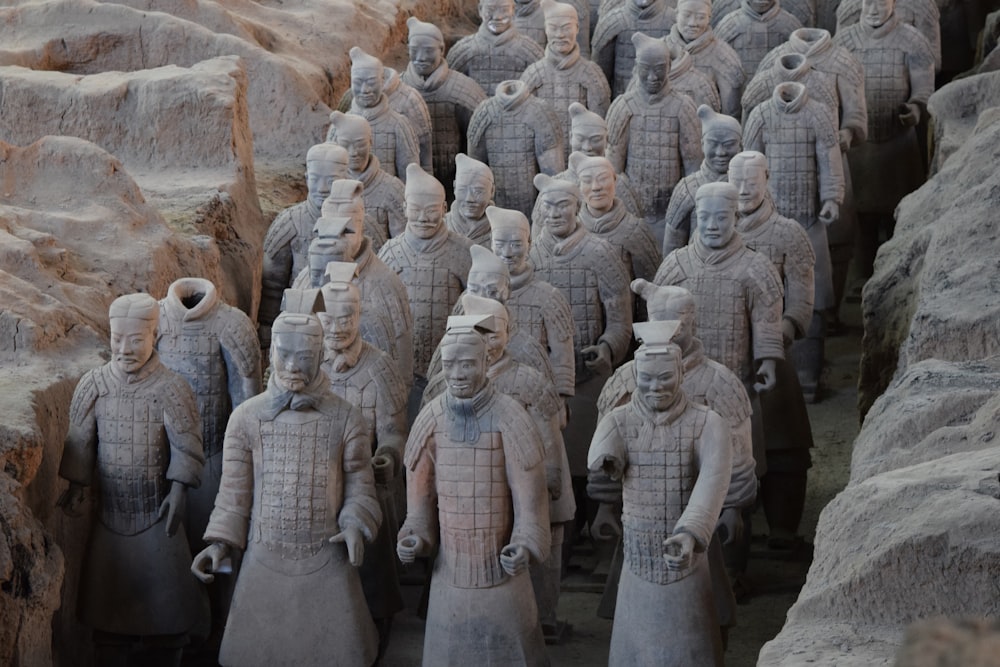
(425, 55)
(473, 196)
(489, 286)
(132, 342)
(320, 175)
(424, 215)
(751, 183)
(719, 148)
(366, 85)
(561, 34)
(589, 141)
(464, 367)
(295, 359)
(317, 266)
(341, 324)
(693, 19)
(496, 343)
(716, 221)
(358, 145)
(597, 185)
(497, 15)
(345, 248)
(761, 6)
(876, 12)
(511, 245)
(559, 211)
(652, 76)
(657, 379)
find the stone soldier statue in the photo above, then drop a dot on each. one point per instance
(674, 460)
(613, 46)
(135, 434)
(654, 134)
(383, 192)
(451, 96)
(563, 76)
(754, 29)
(286, 244)
(432, 262)
(721, 139)
(298, 496)
(475, 483)
(393, 138)
(716, 59)
(803, 10)
(518, 136)
(474, 192)
(687, 79)
(529, 16)
(924, 15)
(497, 51)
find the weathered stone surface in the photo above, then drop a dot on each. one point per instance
(956, 109)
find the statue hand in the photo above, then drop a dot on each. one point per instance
(173, 507)
(909, 114)
(386, 463)
(355, 543)
(515, 559)
(730, 525)
(845, 137)
(787, 331)
(598, 358)
(830, 212)
(409, 547)
(553, 482)
(606, 524)
(71, 499)
(208, 561)
(678, 549)
(767, 375)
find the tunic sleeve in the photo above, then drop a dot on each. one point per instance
(799, 284)
(182, 422)
(229, 522)
(616, 298)
(607, 449)
(421, 479)
(558, 320)
(619, 119)
(80, 452)
(276, 274)
(361, 509)
(407, 148)
(678, 219)
(530, 499)
(766, 300)
(713, 455)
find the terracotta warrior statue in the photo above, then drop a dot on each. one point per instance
(537, 307)
(613, 45)
(604, 215)
(711, 56)
(529, 17)
(433, 264)
(590, 274)
(721, 139)
(924, 15)
(497, 51)
(298, 496)
(898, 67)
(800, 138)
(674, 459)
(348, 198)
(518, 136)
(451, 96)
(787, 432)
(535, 392)
(394, 141)
(476, 490)
(754, 29)
(564, 76)
(687, 79)
(214, 347)
(654, 134)
(386, 322)
(474, 192)
(135, 435)
(383, 192)
(368, 379)
(805, 11)
(286, 244)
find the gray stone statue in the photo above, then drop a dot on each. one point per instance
(687, 79)
(612, 45)
(529, 16)
(924, 15)
(754, 29)
(804, 10)
(474, 192)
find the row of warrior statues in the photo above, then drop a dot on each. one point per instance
(616, 324)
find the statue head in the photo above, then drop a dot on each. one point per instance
(346, 200)
(560, 204)
(341, 318)
(652, 63)
(721, 138)
(658, 365)
(463, 354)
(474, 186)
(588, 133)
(511, 235)
(134, 318)
(426, 46)
(561, 26)
(761, 6)
(321, 251)
(325, 163)
(497, 339)
(693, 18)
(748, 173)
(670, 303)
(489, 277)
(596, 176)
(497, 15)
(876, 12)
(297, 340)
(354, 135)
(715, 211)
(367, 77)
(425, 206)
